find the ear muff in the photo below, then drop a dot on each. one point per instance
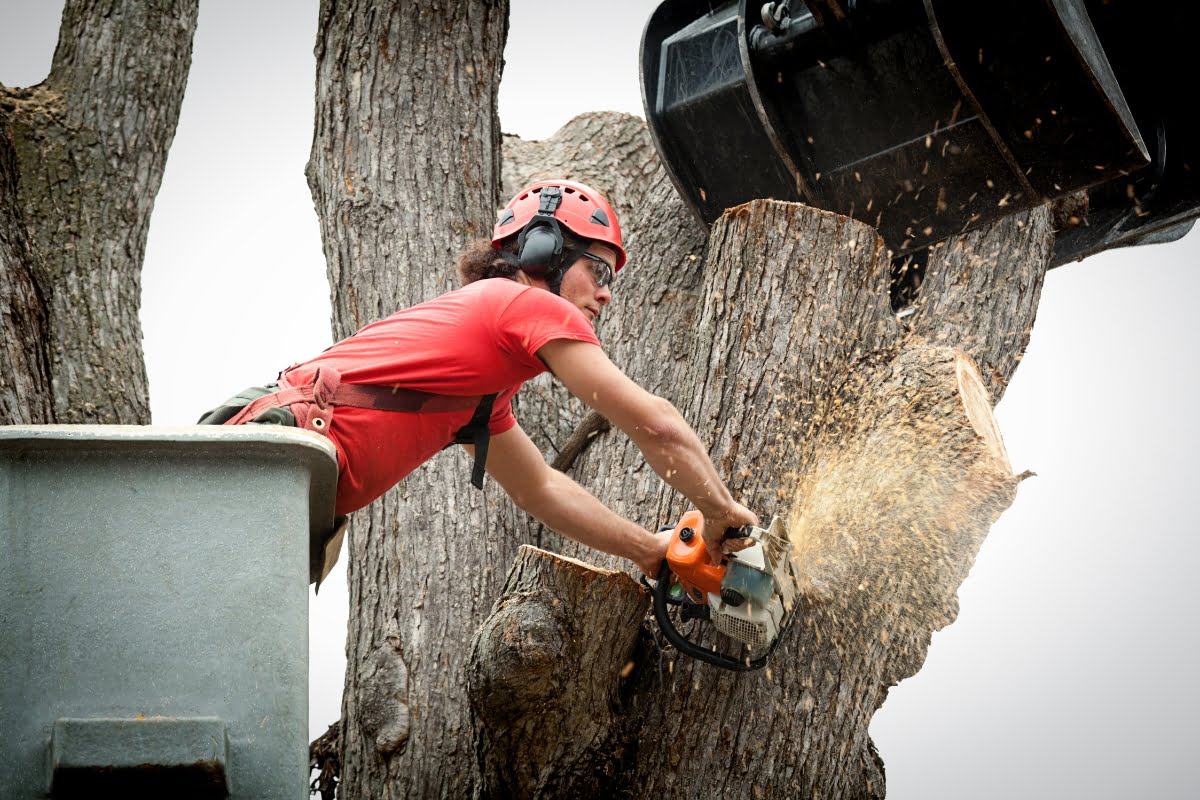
(539, 245)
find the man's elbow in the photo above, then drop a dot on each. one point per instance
(661, 424)
(529, 496)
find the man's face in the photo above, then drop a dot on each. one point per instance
(581, 283)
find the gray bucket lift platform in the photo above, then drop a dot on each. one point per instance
(154, 620)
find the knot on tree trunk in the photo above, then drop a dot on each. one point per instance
(516, 661)
(383, 710)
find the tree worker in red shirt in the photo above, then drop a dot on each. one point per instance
(444, 371)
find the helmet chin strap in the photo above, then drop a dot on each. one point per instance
(555, 272)
(566, 260)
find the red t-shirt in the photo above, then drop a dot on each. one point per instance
(479, 339)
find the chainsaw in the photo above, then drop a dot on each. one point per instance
(750, 597)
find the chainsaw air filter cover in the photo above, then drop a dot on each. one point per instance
(925, 118)
(747, 609)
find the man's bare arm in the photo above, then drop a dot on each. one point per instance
(563, 505)
(668, 443)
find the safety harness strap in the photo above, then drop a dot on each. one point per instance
(359, 395)
(476, 433)
(312, 405)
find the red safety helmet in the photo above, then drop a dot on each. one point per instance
(580, 208)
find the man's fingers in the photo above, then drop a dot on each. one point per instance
(717, 553)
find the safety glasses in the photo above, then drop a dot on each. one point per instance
(601, 271)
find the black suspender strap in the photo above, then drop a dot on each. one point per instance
(476, 433)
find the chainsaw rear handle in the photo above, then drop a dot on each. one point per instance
(689, 648)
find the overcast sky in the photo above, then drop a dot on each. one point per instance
(1070, 670)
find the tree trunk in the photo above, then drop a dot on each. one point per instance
(88, 149)
(405, 171)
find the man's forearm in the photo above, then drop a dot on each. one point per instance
(667, 442)
(568, 508)
(673, 450)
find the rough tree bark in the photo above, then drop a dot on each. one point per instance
(405, 171)
(83, 155)
(24, 367)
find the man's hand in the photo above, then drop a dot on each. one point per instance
(652, 563)
(715, 525)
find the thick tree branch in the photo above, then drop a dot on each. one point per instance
(981, 293)
(580, 439)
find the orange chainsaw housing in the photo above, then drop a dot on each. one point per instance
(689, 560)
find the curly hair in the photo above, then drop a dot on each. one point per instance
(480, 260)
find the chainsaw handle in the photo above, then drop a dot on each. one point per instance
(684, 645)
(737, 533)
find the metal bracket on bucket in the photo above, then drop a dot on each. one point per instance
(169, 757)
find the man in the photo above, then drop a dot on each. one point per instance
(445, 372)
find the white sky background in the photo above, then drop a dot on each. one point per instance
(1070, 670)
